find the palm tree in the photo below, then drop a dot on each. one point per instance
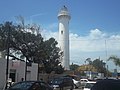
(89, 61)
(115, 59)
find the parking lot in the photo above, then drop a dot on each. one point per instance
(78, 89)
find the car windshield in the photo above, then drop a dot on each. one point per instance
(56, 81)
(22, 86)
(89, 85)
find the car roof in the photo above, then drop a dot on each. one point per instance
(91, 82)
(62, 77)
(32, 81)
(107, 84)
(83, 79)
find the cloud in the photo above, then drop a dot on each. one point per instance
(96, 44)
(96, 34)
(48, 34)
(95, 41)
(35, 15)
(50, 31)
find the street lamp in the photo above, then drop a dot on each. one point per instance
(8, 44)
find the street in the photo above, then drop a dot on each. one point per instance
(78, 89)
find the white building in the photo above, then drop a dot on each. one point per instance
(64, 17)
(16, 71)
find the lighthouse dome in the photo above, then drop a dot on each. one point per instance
(63, 12)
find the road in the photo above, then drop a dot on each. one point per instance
(78, 89)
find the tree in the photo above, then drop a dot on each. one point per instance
(52, 58)
(100, 66)
(29, 45)
(4, 35)
(81, 69)
(73, 66)
(88, 60)
(115, 59)
(96, 65)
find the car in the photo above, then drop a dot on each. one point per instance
(76, 83)
(89, 85)
(76, 80)
(107, 84)
(83, 82)
(30, 85)
(62, 83)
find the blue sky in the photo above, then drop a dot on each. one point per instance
(86, 14)
(92, 22)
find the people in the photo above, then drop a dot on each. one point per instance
(22, 79)
(41, 79)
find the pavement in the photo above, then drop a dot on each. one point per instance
(78, 89)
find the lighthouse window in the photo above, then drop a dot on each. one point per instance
(61, 32)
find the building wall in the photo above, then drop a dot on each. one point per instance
(2, 73)
(17, 69)
(33, 71)
(64, 17)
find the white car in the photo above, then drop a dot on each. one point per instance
(76, 83)
(88, 85)
(83, 82)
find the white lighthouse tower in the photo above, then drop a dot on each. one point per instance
(64, 17)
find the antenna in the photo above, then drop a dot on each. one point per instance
(63, 3)
(106, 56)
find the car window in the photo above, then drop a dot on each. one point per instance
(85, 80)
(22, 86)
(36, 86)
(65, 79)
(89, 85)
(44, 86)
(57, 81)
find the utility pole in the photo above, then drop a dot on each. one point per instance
(8, 44)
(25, 69)
(106, 57)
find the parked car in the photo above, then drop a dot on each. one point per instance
(62, 83)
(76, 80)
(76, 83)
(89, 85)
(107, 84)
(30, 85)
(83, 82)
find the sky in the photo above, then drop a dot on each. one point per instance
(94, 27)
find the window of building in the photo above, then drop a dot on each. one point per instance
(61, 32)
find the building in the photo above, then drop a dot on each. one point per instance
(16, 71)
(64, 17)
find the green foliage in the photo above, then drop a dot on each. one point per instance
(73, 66)
(88, 60)
(4, 28)
(30, 46)
(59, 69)
(96, 65)
(99, 65)
(115, 59)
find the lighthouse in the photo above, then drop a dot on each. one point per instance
(64, 18)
